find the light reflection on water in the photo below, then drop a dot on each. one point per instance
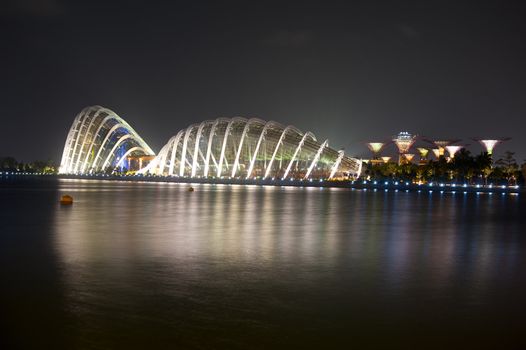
(269, 266)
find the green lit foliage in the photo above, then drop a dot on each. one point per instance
(464, 168)
(10, 164)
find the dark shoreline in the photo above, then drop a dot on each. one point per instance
(360, 184)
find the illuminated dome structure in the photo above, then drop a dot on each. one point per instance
(247, 149)
(99, 140)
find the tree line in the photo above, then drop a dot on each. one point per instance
(10, 164)
(463, 168)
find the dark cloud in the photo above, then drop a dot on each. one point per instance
(409, 32)
(34, 8)
(289, 38)
(348, 73)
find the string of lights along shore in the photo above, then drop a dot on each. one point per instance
(405, 142)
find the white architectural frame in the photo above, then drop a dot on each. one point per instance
(81, 141)
(316, 159)
(334, 169)
(298, 148)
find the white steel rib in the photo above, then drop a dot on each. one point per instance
(196, 147)
(280, 142)
(307, 134)
(341, 153)
(209, 146)
(243, 135)
(185, 145)
(86, 134)
(316, 159)
(225, 138)
(174, 152)
(263, 132)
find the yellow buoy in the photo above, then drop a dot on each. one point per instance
(66, 199)
(190, 189)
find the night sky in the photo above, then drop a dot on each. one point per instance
(351, 73)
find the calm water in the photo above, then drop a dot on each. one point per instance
(145, 265)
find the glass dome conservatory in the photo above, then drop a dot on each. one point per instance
(99, 140)
(248, 149)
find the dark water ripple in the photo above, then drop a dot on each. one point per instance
(146, 265)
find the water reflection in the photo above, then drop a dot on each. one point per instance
(241, 255)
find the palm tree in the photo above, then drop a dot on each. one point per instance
(463, 165)
(483, 166)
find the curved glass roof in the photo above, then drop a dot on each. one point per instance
(99, 139)
(249, 148)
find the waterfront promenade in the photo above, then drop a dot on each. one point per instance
(358, 184)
